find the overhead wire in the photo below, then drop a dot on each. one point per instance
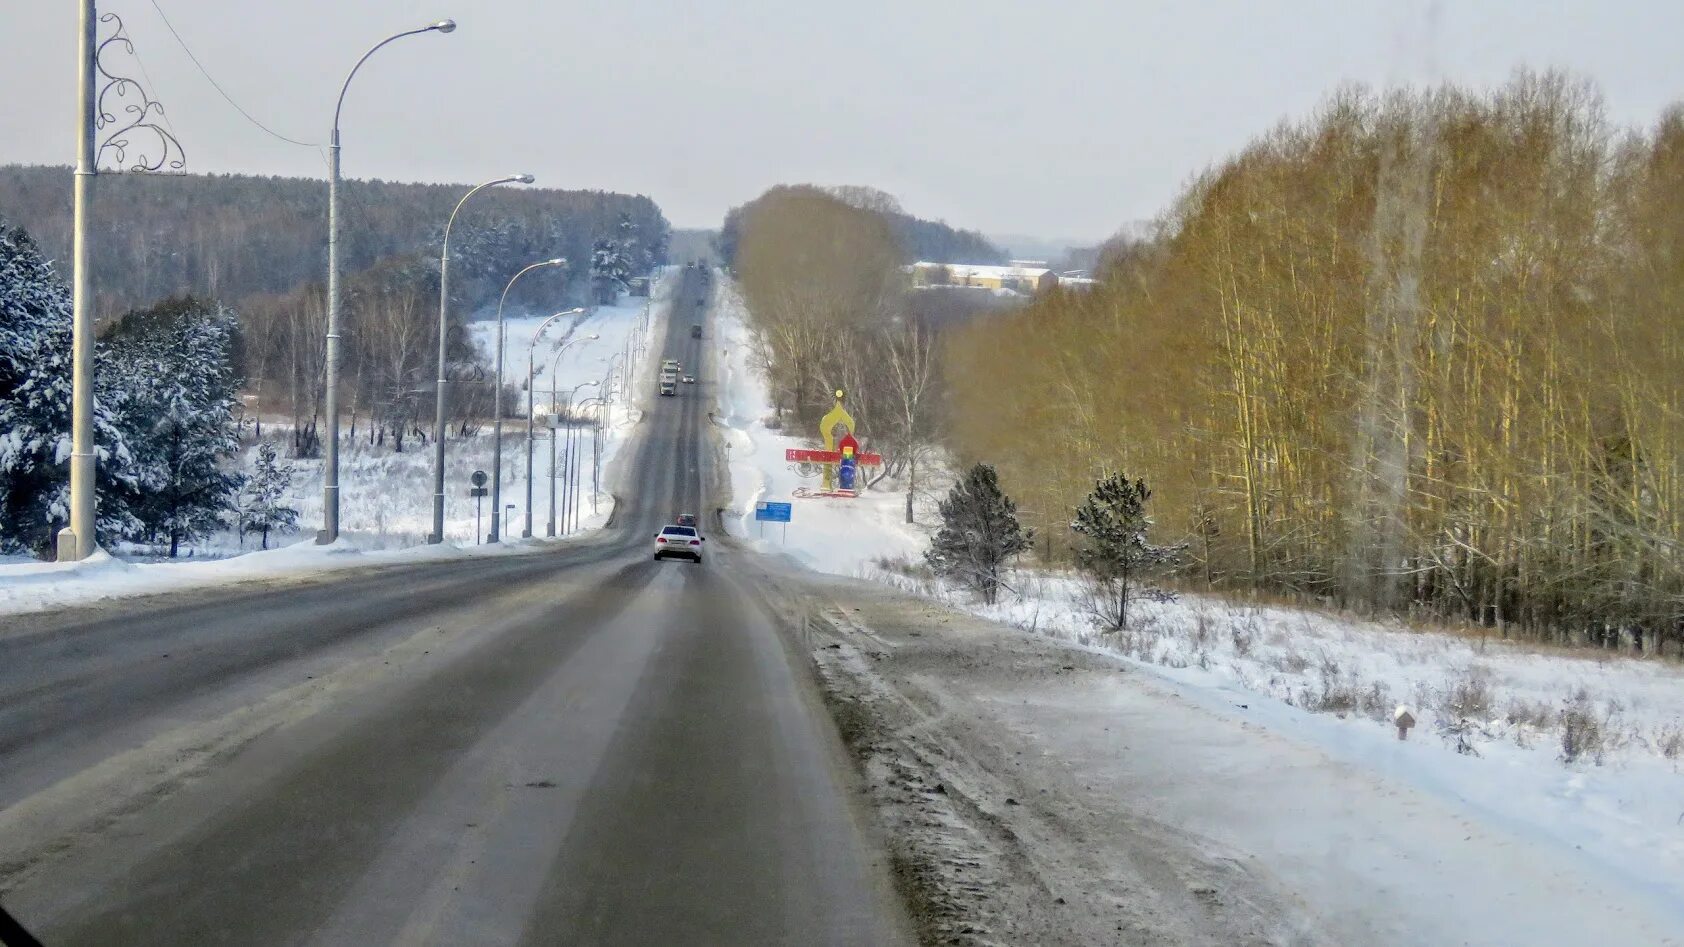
(218, 86)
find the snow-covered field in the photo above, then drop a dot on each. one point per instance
(386, 497)
(1578, 749)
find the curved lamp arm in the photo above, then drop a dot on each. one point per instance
(442, 26)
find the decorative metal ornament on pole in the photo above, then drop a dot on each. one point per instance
(99, 94)
(440, 396)
(330, 458)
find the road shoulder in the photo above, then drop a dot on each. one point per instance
(990, 843)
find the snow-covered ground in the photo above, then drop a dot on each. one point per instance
(1578, 752)
(830, 534)
(386, 497)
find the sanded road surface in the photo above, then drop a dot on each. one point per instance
(573, 747)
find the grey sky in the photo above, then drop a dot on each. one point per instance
(1064, 118)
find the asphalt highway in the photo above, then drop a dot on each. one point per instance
(580, 746)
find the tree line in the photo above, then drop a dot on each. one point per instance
(166, 418)
(914, 238)
(1420, 352)
(831, 309)
(258, 245)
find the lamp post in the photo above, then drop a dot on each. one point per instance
(497, 409)
(599, 404)
(77, 542)
(568, 457)
(437, 535)
(531, 368)
(330, 462)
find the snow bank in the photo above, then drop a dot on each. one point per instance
(1579, 749)
(39, 586)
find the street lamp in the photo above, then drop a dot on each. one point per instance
(437, 535)
(531, 368)
(497, 401)
(600, 404)
(330, 463)
(553, 430)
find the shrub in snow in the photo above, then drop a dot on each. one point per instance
(262, 506)
(1114, 553)
(1460, 733)
(35, 446)
(1468, 695)
(1670, 741)
(979, 533)
(1582, 733)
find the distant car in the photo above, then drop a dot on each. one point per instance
(689, 379)
(683, 542)
(684, 519)
(696, 331)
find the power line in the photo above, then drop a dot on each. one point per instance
(218, 87)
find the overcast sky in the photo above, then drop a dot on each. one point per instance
(1060, 119)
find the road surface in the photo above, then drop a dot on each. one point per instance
(582, 746)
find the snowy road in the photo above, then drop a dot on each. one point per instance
(577, 747)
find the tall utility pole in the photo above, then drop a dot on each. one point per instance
(439, 400)
(77, 542)
(330, 459)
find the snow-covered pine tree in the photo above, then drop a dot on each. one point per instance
(263, 506)
(1115, 552)
(610, 269)
(979, 533)
(630, 246)
(175, 362)
(35, 446)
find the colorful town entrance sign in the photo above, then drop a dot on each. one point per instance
(841, 458)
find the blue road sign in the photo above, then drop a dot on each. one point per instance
(772, 512)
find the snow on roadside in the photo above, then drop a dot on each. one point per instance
(386, 497)
(39, 586)
(1490, 738)
(829, 534)
(1494, 718)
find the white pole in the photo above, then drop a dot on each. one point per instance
(77, 541)
(330, 461)
(497, 410)
(550, 530)
(439, 398)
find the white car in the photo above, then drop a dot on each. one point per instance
(689, 379)
(683, 542)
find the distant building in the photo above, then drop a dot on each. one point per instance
(1022, 276)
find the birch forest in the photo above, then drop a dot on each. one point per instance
(1420, 353)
